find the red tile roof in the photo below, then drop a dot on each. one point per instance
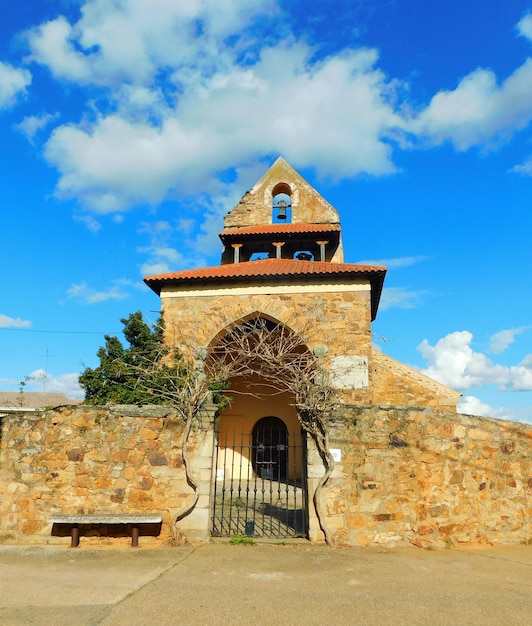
(265, 269)
(272, 229)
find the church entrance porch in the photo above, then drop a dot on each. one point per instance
(260, 482)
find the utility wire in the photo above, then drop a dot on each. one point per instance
(57, 332)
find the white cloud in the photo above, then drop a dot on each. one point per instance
(453, 362)
(52, 44)
(471, 405)
(523, 168)
(153, 268)
(479, 110)
(155, 228)
(39, 380)
(13, 82)
(89, 295)
(228, 121)
(9, 381)
(162, 256)
(405, 261)
(524, 27)
(161, 260)
(130, 41)
(88, 221)
(171, 254)
(400, 298)
(32, 124)
(12, 322)
(192, 89)
(501, 340)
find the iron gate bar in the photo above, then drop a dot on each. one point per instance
(257, 500)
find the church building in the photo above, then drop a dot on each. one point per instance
(390, 463)
(282, 261)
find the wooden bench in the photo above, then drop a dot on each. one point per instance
(133, 521)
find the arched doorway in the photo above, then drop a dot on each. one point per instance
(259, 477)
(270, 448)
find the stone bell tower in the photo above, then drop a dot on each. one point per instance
(282, 259)
(282, 217)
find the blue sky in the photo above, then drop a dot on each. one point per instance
(130, 127)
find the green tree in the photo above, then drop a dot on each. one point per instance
(146, 372)
(149, 372)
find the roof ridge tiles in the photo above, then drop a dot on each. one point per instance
(297, 227)
(264, 268)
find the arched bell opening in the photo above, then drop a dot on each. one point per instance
(281, 204)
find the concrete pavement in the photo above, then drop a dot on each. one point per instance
(263, 584)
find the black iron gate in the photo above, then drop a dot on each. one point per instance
(260, 484)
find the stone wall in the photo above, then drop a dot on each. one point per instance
(407, 475)
(335, 319)
(429, 478)
(99, 461)
(308, 206)
(397, 384)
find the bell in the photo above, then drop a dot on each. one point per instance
(281, 214)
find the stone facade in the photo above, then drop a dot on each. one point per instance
(428, 477)
(329, 303)
(90, 460)
(334, 319)
(397, 384)
(308, 206)
(406, 475)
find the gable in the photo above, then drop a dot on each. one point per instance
(307, 205)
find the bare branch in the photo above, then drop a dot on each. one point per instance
(259, 358)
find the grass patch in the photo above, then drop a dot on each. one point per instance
(242, 541)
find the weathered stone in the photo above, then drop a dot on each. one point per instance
(118, 495)
(507, 447)
(440, 510)
(457, 477)
(397, 442)
(81, 481)
(75, 454)
(98, 455)
(146, 483)
(429, 458)
(156, 458)
(119, 456)
(147, 434)
(477, 433)
(135, 457)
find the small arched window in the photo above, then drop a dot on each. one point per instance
(281, 204)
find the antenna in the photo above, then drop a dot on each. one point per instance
(45, 377)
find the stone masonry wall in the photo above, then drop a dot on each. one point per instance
(103, 461)
(429, 478)
(338, 320)
(307, 204)
(397, 384)
(407, 475)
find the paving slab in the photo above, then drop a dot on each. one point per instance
(63, 586)
(260, 584)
